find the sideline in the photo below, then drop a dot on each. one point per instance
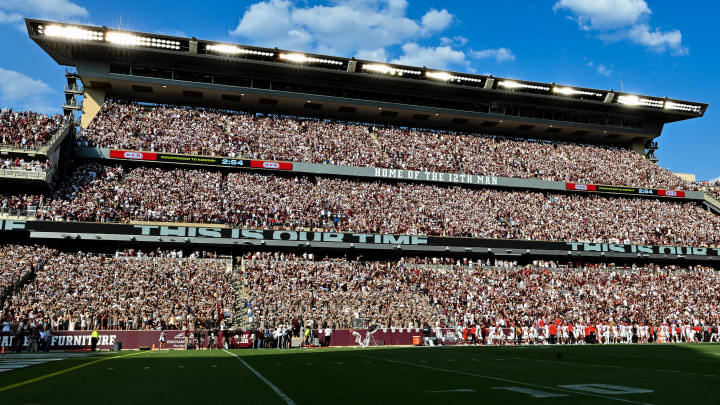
(265, 380)
(507, 380)
(67, 370)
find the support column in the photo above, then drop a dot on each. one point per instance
(92, 102)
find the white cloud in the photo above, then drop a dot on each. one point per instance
(457, 40)
(434, 21)
(434, 57)
(57, 10)
(601, 69)
(605, 14)
(20, 91)
(341, 27)
(6, 18)
(622, 20)
(657, 40)
(499, 54)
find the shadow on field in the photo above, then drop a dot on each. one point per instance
(375, 374)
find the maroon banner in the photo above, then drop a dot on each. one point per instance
(581, 187)
(671, 193)
(266, 164)
(134, 155)
(80, 340)
(381, 337)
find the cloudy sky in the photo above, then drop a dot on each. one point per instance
(658, 48)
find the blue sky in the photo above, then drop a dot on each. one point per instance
(658, 48)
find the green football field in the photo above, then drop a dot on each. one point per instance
(653, 374)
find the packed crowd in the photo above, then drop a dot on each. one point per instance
(18, 204)
(196, 131)
(109, 194)
(22, 164)
(17, 264)
(712, 188)
(86, 291)
(27, 129)
(284, 289)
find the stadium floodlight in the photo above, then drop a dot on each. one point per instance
(682, 107)
(510, 84)
(70, 32)
(629, 100)
(444, 76)
(378, 68)
(300, 58)
(645, 102)
(234, 50)
(569, 91)
(126, 39)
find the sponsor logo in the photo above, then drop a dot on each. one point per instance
(264, 164)
(135, 155)
(581, 187)
(671, 193)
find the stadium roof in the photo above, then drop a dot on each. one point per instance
(179, 70)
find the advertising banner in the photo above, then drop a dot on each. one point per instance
(224, 235)
(624, 190)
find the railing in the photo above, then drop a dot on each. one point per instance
(41, 149)
(712, 201)
(13, 213)
(25, 174)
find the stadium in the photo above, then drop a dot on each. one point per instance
(258, 219)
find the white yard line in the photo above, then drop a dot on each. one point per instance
(265, 380)
(509, 381)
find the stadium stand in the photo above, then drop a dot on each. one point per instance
(27, 130)
(110, 194)
(206, 132)
(498, 286)
(284, 289)
(154, 291)
(17, 264)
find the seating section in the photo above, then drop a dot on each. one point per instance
(343, 293)
(114, 194)
(17, 264)
(27, 129)
(207, 132)
(82, 291)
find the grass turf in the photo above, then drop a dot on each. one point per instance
(541, 374)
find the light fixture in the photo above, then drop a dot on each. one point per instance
(234, 50)
(635, 100)
(510, 84)
(70, 32)
(126, 39)
(389, 70)
(670, 105)
(629, 100)
(569, 91)
(300, 58)
(444, 76)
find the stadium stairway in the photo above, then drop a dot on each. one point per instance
(712, 204)
(241, 320)
(377, 142)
